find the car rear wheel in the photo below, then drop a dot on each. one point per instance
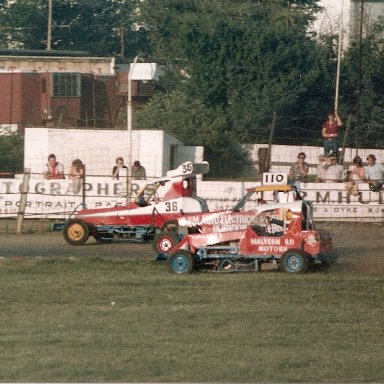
(164, 241)
(181, 262)
(76, 232)
(294, 261)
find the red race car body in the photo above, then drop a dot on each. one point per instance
(282, 233)
(146, 214)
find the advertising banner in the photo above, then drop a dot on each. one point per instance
(56, 198)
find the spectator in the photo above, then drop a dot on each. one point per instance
(118, 168)
(77, 174)
(321, 169)
(138, 171)
(334, 173)
(374, 173)
(298, 171)
(355, 176)
(53, 169)
(329, 133)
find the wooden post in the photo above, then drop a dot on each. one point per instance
(267, 160)
(339, 58)
(341, 159)
(23, 200)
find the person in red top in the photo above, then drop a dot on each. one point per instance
(330, 133)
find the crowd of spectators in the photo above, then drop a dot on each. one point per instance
(53, 169)
(330, 170)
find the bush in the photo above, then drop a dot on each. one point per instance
(11, 153)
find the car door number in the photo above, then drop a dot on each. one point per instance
(171, 206)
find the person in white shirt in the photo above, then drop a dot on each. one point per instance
(334, 172)
(374, 173)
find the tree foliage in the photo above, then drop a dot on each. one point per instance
(234, 64)
(11, 153)
(231, 64)
(101, 27)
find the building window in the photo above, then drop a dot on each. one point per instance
(66, 85)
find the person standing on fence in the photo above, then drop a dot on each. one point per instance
(118, 168)
(330, 133)
(374, 173)
(298, 171)
(138, 171)
(53, 169)
(77, 174)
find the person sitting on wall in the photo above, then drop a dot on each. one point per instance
(298, 171)
(330, 133)
(53, 169)
(355, 176)
(321, 169)
(374, 173)
(334, 172)
(138, 171)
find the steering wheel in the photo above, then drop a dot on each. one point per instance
(154, 199)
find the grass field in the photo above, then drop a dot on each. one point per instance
(113, 320)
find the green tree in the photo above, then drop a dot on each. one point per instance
(101, 27)
(365, 64)
(233, 64)
(11, 153)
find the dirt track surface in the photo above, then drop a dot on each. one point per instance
(52, 245)
(360, 247)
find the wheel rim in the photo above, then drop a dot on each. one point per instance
(164, 244)
(180, 264)
(294, 263)
(75, 232)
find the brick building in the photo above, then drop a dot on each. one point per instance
(64, 89)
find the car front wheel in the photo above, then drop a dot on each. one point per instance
(181, 262)
(294, 261)
(76, 232)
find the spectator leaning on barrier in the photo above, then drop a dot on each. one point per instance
(53, 169)
(298, 171)
(76, 174)
(374, 173)
(329, 133)
(138, 171)
(118, 167)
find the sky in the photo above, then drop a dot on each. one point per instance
(331, 16)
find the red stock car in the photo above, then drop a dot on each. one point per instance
(146, 214)
(241, 240)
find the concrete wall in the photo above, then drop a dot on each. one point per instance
(98, 149)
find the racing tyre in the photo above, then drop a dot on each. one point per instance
(164, 241)
(76, 232)
(181, 262)
(294, 261)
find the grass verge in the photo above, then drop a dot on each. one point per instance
(131, 321)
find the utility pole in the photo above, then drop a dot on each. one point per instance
(49, 33)
(339, 58)
(359, 77)
(122, 53)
